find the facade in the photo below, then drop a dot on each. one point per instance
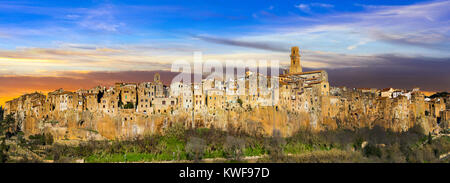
(129, 109)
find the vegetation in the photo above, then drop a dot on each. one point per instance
(440, 95)
(239, 100)
(129, 105)
(41, 139)
(100, 96)
(2, 111)
(179, 144)
(120, 103)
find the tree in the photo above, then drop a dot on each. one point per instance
(234, 147)
(100, 96)
(137, 98)
(440, 94)
(129, 105)
(7, 129)
(120, 103)
(195, 148)
(275, 146)
(8, 126)
(239, 100)
(3, 151)
(1, 112)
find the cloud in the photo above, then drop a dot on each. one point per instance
(426, 39)
(323, 5)
(307, 7)
(422, 27)
(351, 47)
(423, 24)
(378, 71)
(246, 44)
(303, 7)
(397, 72)
(102, 18)
(348, 45)
(14, 86)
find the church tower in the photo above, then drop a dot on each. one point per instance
(156, 78)
(295, 61)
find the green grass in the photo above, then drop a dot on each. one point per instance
(297, 148)
(218, 153)
(129, 157)
(255, 150)
(172, 146)
(170, 149)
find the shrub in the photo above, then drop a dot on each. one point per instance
(41, 139)
(371, 150)
(332, 156)
(195, 148)
(234, 147)
(48, 139)
(38, 139)
(177, 131)
(275, 147)
(129, 105)
(3, 152)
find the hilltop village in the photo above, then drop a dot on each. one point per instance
(303, 100)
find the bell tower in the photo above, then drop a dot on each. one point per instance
(156, 78)
(295, 67)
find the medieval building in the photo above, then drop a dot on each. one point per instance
(253, 103)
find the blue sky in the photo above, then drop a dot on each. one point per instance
(51, 38)
(350, 27)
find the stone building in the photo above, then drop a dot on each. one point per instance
(252, 103)
(296, 66)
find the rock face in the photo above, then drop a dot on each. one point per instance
(341, 108)
(253, 104)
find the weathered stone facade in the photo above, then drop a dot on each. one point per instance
(300, 100)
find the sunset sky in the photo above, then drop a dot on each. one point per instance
(46, 45)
